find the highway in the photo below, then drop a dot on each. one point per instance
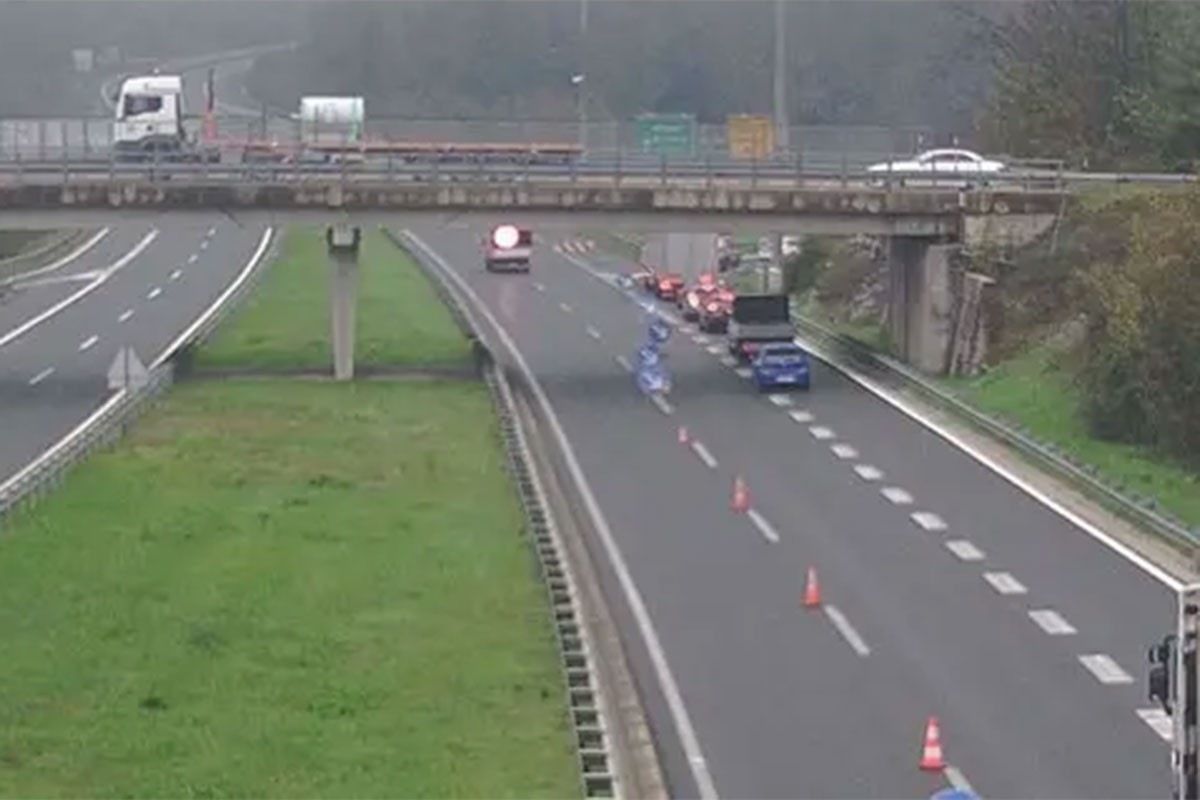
(947, 591)
(140, 285)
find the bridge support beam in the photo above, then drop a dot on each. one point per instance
(343, 244)
(921, 301)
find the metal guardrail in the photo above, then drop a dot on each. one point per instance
(585, 696)
(1140, 511)
(108, 422)
(618, 173)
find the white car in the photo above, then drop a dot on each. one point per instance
(939, 165)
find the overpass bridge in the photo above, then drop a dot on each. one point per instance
(925, 225)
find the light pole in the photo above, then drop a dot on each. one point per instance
(579, 79)
(781, 115)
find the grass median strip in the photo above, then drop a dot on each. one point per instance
(286, 323)
(287, 588)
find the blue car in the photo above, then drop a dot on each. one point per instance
(780, 365)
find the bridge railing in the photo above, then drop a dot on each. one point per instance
(389, 168)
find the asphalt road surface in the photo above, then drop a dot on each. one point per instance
(947, 591)
(141, 285)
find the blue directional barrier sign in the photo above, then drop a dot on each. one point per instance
(651, 379)
(659, 331)
(955, 794)
(648, 355)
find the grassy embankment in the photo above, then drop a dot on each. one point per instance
(288, 587)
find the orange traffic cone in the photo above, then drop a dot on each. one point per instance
(931, 754)
(741, 496)
(683, 435)
(812, 590)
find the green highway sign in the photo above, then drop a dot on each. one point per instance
(667, 134)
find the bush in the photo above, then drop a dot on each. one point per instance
(1141, 365)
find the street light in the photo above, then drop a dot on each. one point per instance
(577, 81)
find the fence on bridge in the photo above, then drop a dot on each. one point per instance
(53, 139)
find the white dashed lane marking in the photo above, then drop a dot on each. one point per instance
(155, 292)
(896, 495)
(714, 349)
(539, 287)
(1105, 669)
(957, 779)
(702, 452)
(852, 637)
(211, 231)
(1051, 622)
(700, 339)
(964, 550)
(868, 472)
(1004, 583)
(801, 416)
(566, 308)
(781, 400)
(661, 404)
(41, 376)
(193, 258)
(844, 451)
(175, 274)
(88, 342)
(928, 520)
(592, 332)
(728, 360)
(125, 315)
(1159, 722)
(820, 433)
(743, 373)
(204, 244)
(764, 527)
(624, 362)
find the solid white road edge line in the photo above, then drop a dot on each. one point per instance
(204, 316)
(637, 606)
(764, 527)
(106, 273)
(1113, 544)
(75, 254)
(852, 637)
(62, 443)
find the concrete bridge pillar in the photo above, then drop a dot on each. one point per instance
(343, 242)
(921, 301)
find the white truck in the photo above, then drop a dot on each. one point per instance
(148, 122)
(331, 120)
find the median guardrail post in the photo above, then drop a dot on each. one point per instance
(663, 169)
(845, 168)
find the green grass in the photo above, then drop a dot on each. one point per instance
(283, 588)
(400, 319)
(1034, 391)
(15, 242)
(287, 588)
(872, 334)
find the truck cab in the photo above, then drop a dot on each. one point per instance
(148, 120)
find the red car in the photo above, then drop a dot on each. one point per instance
(715, 311)
(668, 285)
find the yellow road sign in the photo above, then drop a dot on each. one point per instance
(750, 136)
